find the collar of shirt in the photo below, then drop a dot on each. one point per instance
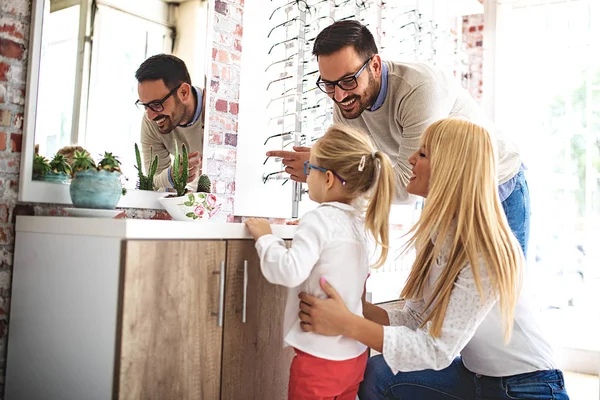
(341, 206)
(198, 111)
(383, 90)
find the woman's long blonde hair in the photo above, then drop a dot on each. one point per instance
(343, 149)
(463, 213)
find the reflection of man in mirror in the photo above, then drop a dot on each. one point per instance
(174, 112)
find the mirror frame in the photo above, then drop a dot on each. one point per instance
(31, 191)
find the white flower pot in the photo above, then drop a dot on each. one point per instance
(191, 207)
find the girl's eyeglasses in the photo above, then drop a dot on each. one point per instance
(308, 166)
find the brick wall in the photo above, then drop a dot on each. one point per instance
(473, 40)
(14, 36)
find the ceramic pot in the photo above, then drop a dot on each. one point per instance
(191, 207)
(96, 189)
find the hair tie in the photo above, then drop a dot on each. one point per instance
(374, 154)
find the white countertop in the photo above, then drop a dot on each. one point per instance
(141, 228)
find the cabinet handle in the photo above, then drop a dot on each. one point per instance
(221, 293)
(245, 290)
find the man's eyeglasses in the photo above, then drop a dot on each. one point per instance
(308, 166)
(347, 83)
(156, 105)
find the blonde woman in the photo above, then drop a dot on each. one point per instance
(330, 243)
(467, 330)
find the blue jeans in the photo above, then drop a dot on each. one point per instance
(518, 211)
(457, 382)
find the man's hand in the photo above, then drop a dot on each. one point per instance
(258, 227)
(293, 161)
(194, 164)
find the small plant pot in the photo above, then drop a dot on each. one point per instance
(57, 177)
(194, 207)
(96, 189)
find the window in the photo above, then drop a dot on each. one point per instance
(548, 97)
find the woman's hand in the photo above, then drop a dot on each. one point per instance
(329, 317)
(258, 227)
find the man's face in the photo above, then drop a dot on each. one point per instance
(173, 109)
(345, 63)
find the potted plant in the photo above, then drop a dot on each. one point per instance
(96, 186)
(145, 182)
(60, 170)
(41, 166)
(184, 206)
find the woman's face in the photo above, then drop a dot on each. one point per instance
(419, 181)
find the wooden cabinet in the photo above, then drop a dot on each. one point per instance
(170, 343)
(255, 364)
(129, 309)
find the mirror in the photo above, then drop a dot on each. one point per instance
(82, 87)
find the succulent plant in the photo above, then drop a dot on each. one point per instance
(60, 164)
(203, 184)
(145, 182)
(41, 166)
(82, 161)
(109, 163)
(180, 169)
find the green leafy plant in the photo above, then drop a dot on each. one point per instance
(145, 182)
(60, 164)
(109, 163)
(41, 166)
(180, 170)
(203, 184)
(82, 161)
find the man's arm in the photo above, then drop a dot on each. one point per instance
(149, 140)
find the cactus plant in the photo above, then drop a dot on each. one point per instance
(109, 163)
(41, 167)
(145, 182)
(203, 184)
(82, 161)
(60, 164)
(180, 170)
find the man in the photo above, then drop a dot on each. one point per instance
(394, 103)
(174, 112)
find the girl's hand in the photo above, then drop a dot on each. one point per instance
(329, 317)
(258, 227)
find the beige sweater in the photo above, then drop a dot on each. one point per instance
(417, 96)
(163, 146)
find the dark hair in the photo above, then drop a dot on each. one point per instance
(341, 34)
(167, 67)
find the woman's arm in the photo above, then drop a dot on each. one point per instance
(375, 314)
(406, 349)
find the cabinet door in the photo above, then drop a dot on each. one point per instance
(255, 364)
(170, 338)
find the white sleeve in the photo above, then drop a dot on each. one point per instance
(410, 316)
(406, 350)
(290, 267)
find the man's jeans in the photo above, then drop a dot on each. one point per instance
(518, 211)
(457, 382)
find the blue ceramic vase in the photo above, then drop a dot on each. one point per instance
(57, 177)
(96, 189)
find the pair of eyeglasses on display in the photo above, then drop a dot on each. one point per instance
(301, 5)
(285, 60)
(157, 105)
(285, 25)
(291, 97)
(277, 175)
(289, 135)
(279, 80)
(358, 3)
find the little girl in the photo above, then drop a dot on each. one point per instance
(330, 244)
